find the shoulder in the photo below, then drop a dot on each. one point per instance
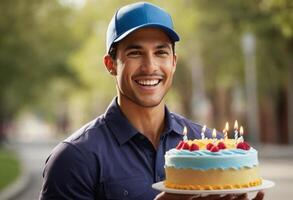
(91, 137)
(184, 121)
(66, 169)
(91, 129)
(80, 147)
(194, 129)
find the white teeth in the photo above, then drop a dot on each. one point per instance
(148, 82)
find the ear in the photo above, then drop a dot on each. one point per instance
(110, 65)
(174, 62)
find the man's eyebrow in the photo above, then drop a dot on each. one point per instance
(133, 46)
(162, 46)
(137, 46)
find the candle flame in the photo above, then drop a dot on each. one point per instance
(214, 134)
(204, 129)
(236, 125)
(241, 131)
(227, 126)
(184, 130)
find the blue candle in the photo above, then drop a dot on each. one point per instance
(236, 131)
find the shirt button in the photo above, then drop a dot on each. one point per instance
(125, 193)
(158, 178)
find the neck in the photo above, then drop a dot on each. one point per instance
(150, 121)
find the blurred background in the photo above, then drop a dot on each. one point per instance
(235, 62)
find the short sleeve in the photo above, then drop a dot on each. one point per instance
(68, 174)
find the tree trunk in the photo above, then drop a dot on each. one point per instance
(290, 95)
(283, 116)
(201, 107)
(268, 121)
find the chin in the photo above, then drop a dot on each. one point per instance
(149, 103)
(146, 101)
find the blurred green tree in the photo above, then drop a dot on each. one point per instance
(220, 29)
(35, 40)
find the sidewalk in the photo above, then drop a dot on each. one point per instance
(32, 156)
(276, 165)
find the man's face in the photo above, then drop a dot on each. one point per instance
(145, 64)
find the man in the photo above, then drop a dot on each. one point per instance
(120, 154)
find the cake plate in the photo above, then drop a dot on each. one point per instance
(265, 185)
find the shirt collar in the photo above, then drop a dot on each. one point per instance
(172, 124)
(123, 129)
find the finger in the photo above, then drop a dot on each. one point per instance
(259, 196)
(169, 196)
(160, 196)
(241, 197)
(229, 197)
(210, 197)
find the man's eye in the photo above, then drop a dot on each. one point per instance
(162, 52)
(134, 53)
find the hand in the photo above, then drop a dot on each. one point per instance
(169, 196)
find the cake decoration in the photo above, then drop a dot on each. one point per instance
(222, 145)
(212, 163)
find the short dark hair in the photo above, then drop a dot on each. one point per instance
(113, 50)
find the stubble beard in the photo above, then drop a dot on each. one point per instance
(134, 99)
(139, 102)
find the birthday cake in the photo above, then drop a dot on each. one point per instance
(212, 164)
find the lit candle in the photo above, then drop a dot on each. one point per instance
(203, 130)
(185, 134)
(241, 134)
(214, 135)
(225, 134)
(226, 131)
(236, 131)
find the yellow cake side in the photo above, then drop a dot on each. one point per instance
(212, 179)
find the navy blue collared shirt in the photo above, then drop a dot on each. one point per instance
(109, 159)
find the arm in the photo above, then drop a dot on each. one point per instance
(168, 196)
(67, 175)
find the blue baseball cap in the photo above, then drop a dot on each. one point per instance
(135, 16)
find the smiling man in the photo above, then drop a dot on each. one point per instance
(143, 67)
(120, 154)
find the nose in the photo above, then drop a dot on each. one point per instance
(149, 64)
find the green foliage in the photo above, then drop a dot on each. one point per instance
(35, 42)
(51, 54)
(221, 27)
(9, 168)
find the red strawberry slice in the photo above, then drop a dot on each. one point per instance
(179, 146)
(185, 146)
(214, 149)
(209, 146)
(194, 147)
(243, 145)
(221, 145)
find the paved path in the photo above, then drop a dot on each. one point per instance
(280, 171)
(276, 165)
(33, 156)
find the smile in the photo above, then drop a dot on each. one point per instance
(153, 82)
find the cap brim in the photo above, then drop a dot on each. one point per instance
(171, 33)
